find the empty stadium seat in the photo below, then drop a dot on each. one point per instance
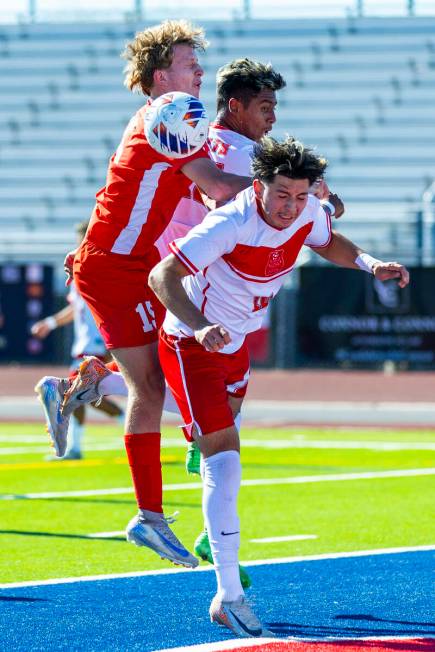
(362, 91)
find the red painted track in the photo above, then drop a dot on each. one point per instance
(280, 385)
(356, 645)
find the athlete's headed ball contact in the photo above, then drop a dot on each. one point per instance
(176, 125)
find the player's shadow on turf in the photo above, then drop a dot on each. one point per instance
(113, 501)
(375, 619)
(11, 598)
(60, 535)
(346, 633)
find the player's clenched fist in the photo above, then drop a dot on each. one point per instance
(213, 338)
(387, 271)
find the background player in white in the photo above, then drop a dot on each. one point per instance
(216, 287)
(87, 341)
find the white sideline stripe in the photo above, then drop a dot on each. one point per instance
(182, 486)
(219, 646)
(237, 643)
(290, 537)
(117, 444)
(200, 569)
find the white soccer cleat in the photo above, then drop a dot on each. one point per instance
(84, 387)
(155, 534)
(50, 392)
(238, 617)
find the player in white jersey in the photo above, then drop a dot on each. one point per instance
(216, 286)
(87, 341)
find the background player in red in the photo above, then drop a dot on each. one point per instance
(216, 286)
(111, 267)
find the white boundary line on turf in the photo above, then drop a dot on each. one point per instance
(182, 486)
(222, 646)
(290, 537)
(258, 562)
(273, 444)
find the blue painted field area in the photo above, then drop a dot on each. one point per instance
(374, 595)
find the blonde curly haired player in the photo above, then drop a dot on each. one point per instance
(246, 112)
(112, 264)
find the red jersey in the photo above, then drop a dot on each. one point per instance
(141, 193)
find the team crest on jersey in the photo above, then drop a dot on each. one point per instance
(275, 262)
(261, 302)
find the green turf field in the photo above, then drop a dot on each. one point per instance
(48, 537)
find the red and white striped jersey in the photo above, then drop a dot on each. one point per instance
(142, 190)
(238, 262)
(232, 153)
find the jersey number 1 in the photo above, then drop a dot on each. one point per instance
(146, 313)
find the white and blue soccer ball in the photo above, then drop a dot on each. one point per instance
(176, 125)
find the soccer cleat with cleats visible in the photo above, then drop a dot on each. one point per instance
(193, 459)
(50, 391)
(154, 532)
(202, 549)
(238, 617)
(83, 388)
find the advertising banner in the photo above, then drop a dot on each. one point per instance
(26, 296)
(347, 317)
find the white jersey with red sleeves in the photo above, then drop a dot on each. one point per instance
(141, 193)
(238, 262)
(232, 153)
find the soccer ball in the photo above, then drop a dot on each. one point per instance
(176, 125)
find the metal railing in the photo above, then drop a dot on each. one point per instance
(12, 11)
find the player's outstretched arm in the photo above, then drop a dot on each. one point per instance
(44, 327)
(345, 253)
(217, 184)
(165, 280)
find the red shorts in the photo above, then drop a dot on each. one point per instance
(201, 381)
(115, 287)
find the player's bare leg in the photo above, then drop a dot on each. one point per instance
(142, 373)
(108, 407)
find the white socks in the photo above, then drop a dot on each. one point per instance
(114, 384)
(221, 478)
(75, 434)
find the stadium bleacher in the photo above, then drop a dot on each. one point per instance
(361, 91)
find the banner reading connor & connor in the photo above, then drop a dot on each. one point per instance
(348, 317)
